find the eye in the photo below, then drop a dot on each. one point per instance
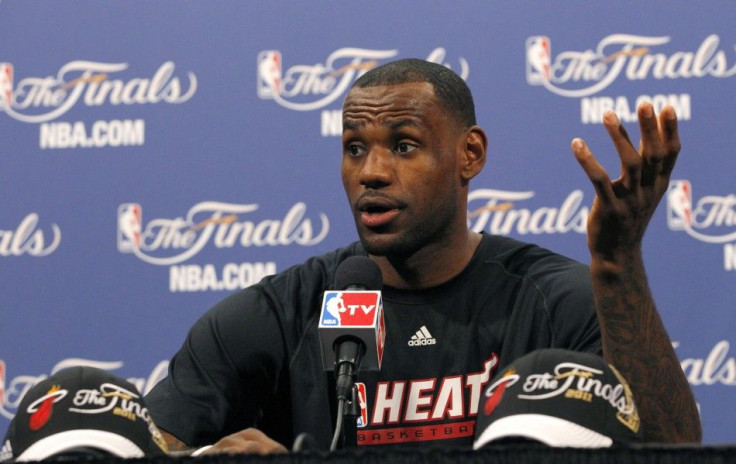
(405, 147)
(353, 150)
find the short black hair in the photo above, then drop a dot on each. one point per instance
(450, 89)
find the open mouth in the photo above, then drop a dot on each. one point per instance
(378, 216)
(378, 210)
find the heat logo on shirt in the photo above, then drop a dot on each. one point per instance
(350, 309)
(424, 409)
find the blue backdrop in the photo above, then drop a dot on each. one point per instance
(158, 155)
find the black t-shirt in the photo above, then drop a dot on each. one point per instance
(254, 359)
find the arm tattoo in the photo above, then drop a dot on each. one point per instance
(636, 342)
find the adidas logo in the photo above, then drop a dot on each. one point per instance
(422, 338)
(6, 453)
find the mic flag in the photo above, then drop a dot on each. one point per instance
(354, 311)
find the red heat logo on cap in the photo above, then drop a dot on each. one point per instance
(40, 414)
(493, 400)
(494, 395)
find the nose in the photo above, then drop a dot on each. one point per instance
(377, 169)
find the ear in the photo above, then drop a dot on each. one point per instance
(473, 153)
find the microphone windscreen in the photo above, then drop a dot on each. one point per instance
(358, 272)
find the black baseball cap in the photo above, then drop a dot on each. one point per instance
(560, 398)
(82, 408)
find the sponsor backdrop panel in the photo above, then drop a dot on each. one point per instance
(161, 155)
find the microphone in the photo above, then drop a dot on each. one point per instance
(351, 328)
(352, 332)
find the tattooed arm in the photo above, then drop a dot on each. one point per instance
(634, 339)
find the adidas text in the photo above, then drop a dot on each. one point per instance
(422, 338)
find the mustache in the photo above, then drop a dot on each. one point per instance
(375, 196)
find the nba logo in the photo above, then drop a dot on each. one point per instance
(363, 403)
(2, 382)
(6, 85)
(538, 59)
(129, 227)
(679, 205)
(269, 74)
(381, 336)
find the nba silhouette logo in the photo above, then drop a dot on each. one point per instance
(332, 307)
(363, 403)
(2, 382)
(381, 337)
(6, 85)
(679, 205)
(538, 59)
(269, 74)
(130, 222)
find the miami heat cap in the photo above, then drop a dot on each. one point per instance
(78, 409)
(560, 398)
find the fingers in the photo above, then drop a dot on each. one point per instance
(660, 143)
(248, 441)
(630, 158)
(655, 156)
(670, 138)
(595, 172)
(652, 149)
(644, 171)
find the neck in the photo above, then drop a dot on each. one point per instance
(430, 266)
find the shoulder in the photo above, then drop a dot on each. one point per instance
(560, 287)
(550, 275)
(317, 271)
(279, 302)
(298, 283)
(527, 259)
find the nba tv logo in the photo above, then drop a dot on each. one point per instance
(350, 308)
(538, 59)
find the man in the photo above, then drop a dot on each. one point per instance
(410, 148)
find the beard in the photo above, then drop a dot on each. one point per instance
(433, 230)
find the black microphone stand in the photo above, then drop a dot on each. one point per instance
(347, 364)
(350, 424)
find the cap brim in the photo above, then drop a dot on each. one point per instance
(551, 431)
(109, 442)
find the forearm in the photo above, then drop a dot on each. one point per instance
(636, 342)
(176, 446)
(248, 441)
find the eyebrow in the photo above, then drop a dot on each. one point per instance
(403, 123)
(347, 125)
(351, 125)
